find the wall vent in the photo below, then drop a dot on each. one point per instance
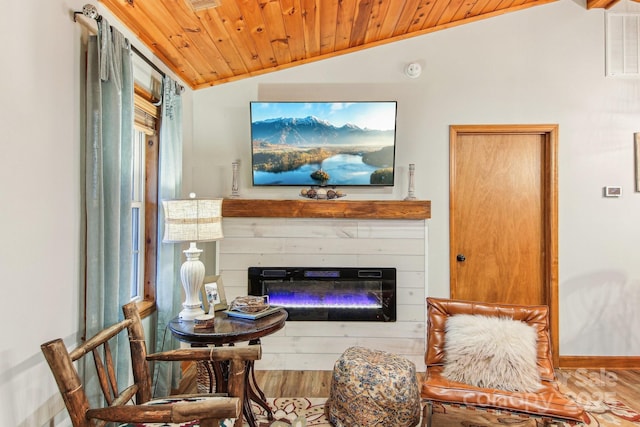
(204, 4)
(623, 44)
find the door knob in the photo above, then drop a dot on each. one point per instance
(461, 257)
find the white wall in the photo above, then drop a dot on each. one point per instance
(542, 65)
(40, 215)
(41, 81)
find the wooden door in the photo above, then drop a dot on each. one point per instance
(503, 215)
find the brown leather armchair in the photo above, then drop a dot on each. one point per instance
(549, 404)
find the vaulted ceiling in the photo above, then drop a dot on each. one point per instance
(209, 42)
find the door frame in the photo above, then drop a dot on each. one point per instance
(550, 211)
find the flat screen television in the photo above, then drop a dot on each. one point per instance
(323, 143)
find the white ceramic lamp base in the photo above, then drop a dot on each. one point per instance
(192, 276)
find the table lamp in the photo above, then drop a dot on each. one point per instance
(192, 220)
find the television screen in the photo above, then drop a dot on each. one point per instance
(323, 143)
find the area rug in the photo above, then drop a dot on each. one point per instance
(303, 412)
(292, 411)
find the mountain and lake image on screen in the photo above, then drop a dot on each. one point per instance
(323, 143)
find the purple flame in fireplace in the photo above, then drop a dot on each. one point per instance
(330, 300)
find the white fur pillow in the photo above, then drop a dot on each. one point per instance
(491, 352)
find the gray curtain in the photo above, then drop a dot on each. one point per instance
(168, 290)
(108, 172)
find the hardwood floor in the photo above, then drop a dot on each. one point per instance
(587, 385)
(596, 384)
(275, 383)
(294, 383)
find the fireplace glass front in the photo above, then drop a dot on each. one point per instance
(333, 294)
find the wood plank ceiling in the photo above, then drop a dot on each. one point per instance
(243, 38)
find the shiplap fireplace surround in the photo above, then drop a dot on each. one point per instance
(331, 233)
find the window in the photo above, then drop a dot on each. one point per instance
(144, 202)
(137, 217)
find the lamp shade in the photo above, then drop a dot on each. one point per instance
(192, 220)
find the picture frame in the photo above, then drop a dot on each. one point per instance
(222, 304)
(636, 151)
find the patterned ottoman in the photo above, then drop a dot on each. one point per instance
(373, 388)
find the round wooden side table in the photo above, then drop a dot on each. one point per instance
(229, 331)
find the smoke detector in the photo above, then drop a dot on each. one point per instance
(413, 70)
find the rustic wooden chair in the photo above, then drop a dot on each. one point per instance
(134, 404)
(547, 406)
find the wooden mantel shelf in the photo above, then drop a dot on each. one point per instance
(356, 209)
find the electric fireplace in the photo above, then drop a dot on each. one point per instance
(334, 294)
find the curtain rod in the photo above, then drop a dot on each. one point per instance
(145, 59)
(90, 11)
